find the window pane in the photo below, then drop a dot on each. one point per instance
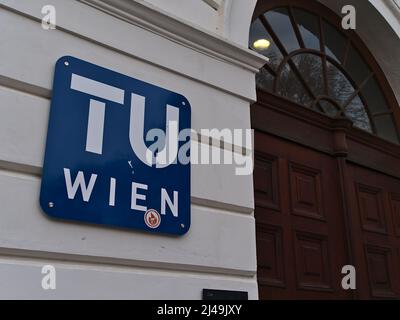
(356, 66)
(356, 112)
(310, 66)
(282, 26)
(340, 89)
(290, 87)
(309, 28)
(335, 42)
(385, 128)
(374, 97)
(265, 80)
(258, 32)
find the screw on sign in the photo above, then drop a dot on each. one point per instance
(152, 218)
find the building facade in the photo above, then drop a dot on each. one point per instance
(324, 190)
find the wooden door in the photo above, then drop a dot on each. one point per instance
(301, 245)
(374, 200)
(326, 196)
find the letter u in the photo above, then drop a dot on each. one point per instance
(136, 134)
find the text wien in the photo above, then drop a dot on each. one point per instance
(79, 183)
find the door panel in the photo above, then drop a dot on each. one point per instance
(301, 244)
(375, 207)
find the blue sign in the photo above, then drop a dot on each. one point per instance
(117, 152)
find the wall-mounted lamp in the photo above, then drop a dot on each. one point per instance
(261, 44)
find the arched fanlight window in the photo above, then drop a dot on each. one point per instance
(315, 64)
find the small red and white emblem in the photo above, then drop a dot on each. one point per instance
(152, 218)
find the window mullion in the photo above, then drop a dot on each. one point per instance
(324, 60)
(296, 28)
(346, 53)
(273, 35)
(357, 91)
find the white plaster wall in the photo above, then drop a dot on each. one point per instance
(197, 12)
(237, 20)
(228, 18)
(98, 262)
